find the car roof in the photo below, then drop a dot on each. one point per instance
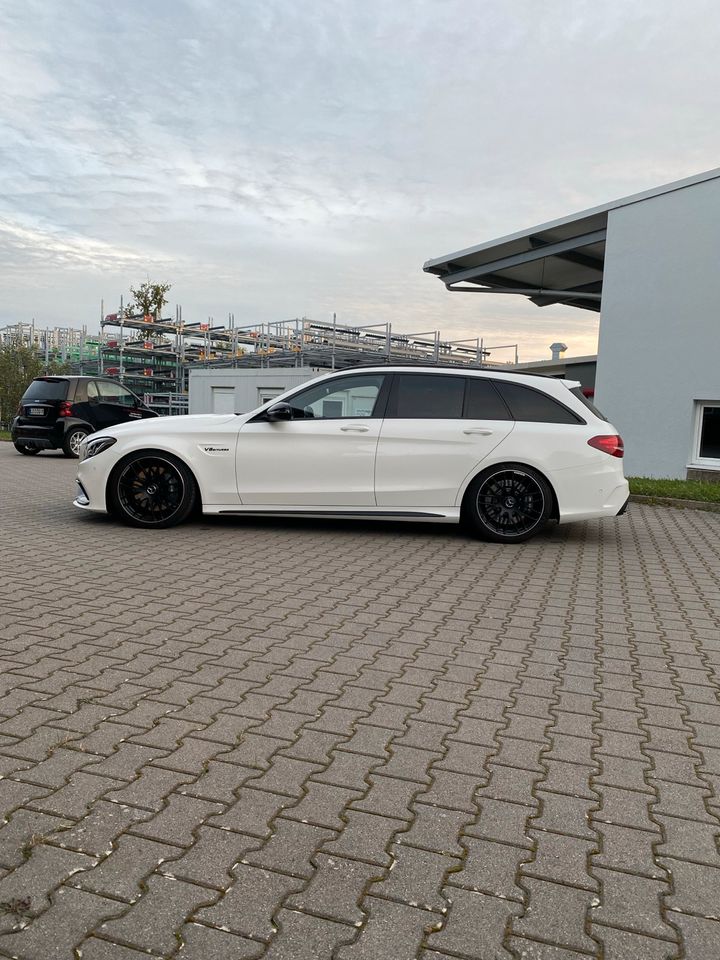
(520, 376)
(72, 376)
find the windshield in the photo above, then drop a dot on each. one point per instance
(50, 389)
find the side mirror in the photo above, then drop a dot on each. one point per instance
(280, 411)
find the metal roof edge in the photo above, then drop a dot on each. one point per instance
(590, 358)
(581, 215)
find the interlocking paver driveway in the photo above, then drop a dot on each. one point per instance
(245, 739)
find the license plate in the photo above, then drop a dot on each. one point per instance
(37, 411)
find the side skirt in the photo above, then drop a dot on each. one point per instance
(427, 515)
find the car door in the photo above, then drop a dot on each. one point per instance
(437, 429)
(113, 403)
(324, 456)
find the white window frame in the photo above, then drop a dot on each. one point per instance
(698, 461)
(266, 394)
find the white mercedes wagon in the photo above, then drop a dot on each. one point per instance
(503, 452)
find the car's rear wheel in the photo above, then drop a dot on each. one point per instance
(508, 503)
(72, 440)
(27, 449)
(152, 490)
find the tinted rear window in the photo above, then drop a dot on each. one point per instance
(54, 389)
(534, 406)
(483, 402)
(427, 397)
(577, 392)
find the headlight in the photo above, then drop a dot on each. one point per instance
(95, 445)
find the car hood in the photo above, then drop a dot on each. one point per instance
(179, 424)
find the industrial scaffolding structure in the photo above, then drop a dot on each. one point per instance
(153, 356)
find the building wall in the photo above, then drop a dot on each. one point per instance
(659, 344)
(210, 387)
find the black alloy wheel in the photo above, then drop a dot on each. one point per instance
(509, 504)
(27, 449)
(152, 490)
(72, 440)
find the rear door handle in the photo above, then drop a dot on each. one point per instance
(355, 427)
(480, 430)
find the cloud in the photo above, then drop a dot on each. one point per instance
(275, 159)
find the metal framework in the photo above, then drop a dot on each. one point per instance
(153, 356)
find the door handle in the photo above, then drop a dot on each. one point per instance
(355, 427)
(480, 430)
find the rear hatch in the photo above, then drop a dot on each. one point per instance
(40, 404)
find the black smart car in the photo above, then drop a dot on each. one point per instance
(57, 413)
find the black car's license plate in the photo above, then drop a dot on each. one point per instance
(37, 411)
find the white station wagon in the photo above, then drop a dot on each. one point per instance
(503, 452)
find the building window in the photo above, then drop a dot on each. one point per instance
(265, 394)
(707, 433)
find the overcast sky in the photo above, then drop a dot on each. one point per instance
(279, 159)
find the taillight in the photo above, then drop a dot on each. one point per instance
(611, 444)
(65, 409)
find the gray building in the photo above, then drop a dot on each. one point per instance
(227, 390)
(648, 265)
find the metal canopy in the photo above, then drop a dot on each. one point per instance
(557, 262)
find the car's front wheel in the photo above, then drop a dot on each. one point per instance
(151, 490)
(508, 503)
(72, 440)
(27, 449)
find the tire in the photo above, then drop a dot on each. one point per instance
(27, 450)
(151, 489)
(508, 503)
(72, 440)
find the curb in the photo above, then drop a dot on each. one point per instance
(707, 505)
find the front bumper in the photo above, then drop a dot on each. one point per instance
(92, 477)
(81, 500)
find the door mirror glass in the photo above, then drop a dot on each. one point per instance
(279, 411)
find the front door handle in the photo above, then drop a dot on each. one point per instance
(480, 430)
(355, 427)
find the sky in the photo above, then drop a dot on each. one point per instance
(280, 159)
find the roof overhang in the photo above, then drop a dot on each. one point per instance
(558, 262)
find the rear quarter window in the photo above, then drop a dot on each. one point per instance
(534, 406)
(577, 392)
(51, 389)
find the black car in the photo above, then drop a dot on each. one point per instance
(57, 413)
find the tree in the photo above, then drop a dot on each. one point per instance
(149, 300)
(19, 364)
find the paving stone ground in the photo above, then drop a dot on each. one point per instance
(294, 740)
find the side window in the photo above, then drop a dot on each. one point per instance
(348, 397)
(483, 402)
(115, 393)
(427, 396)
(92, 390)
(81, 394)
(534, 406)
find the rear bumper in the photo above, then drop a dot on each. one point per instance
(46, 438)
(623, 508)
(599, 490)
(39, 442)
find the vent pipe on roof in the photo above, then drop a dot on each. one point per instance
(556, 349)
